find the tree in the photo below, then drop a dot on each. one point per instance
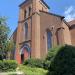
(4, 30)
(9, 48)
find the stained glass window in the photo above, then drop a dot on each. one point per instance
(49, 39)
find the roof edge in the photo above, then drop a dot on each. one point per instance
(13, 32)
(66, 23)
(22, 3)
(41, 0)
(45, 4)
(52, 14)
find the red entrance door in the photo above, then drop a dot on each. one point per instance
(25, 55)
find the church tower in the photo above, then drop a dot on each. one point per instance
(28, 30)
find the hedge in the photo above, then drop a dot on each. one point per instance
(8, 65)
(63, 62)
(34, 63)
(50, 56)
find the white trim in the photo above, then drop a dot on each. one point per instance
(22, 49)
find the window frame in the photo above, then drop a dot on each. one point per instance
(49, 39)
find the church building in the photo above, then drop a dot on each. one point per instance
(39, 30)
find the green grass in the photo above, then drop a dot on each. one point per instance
(32, 71)
(12, 74)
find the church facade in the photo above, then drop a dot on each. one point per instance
(39, 30)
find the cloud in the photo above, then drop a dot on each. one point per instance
(70, 13)
(69, 10)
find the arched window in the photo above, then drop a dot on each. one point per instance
(57, 35)
(49, 39)
(25, 12)
(26, 30)
(29, 11)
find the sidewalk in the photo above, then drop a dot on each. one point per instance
(7, 73)
(11, 73)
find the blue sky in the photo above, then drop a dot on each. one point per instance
(10, 9)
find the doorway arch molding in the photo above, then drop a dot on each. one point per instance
(25, 46)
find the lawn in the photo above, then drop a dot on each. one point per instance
(32, 71)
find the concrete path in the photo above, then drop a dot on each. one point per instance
(10, 73)
(7, 73)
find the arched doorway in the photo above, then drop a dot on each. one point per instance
(25, 53)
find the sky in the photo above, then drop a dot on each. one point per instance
(10, 9)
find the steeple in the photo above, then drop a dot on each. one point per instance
(31, 6)
(35, 0)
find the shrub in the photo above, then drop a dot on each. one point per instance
(46, 64)
(1, 65)
(34, 63)
(50, 56)
(8, 65)
(63, 62)
(0, 57)
(52, 52)
(32, 70)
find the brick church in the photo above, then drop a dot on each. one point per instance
(39, 30)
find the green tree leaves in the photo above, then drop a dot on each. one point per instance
(4, 32)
